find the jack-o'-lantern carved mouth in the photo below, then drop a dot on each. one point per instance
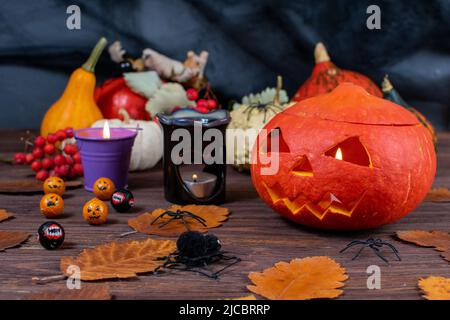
(328, 204)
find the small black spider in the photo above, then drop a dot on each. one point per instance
(195, 251)
(266, 107)
(179, 215)
(375, 245)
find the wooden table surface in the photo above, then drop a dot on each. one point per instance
(253, 232)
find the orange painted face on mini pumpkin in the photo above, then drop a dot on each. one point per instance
(104, 188)
(54, 185)
(95, 212)
(51, 205)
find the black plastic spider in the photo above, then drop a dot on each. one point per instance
(195, 251)
(375, 245)
(266, 107)
(179, 215)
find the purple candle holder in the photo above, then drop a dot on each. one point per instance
(105, 157)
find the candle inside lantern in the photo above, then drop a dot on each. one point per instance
(105, 152)
(200, 184)
(338, 154)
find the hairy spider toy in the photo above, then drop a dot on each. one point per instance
(375, 245)
(195, 251)
(179, 215)
(266, 107)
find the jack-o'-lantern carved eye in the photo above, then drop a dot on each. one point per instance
(303, 168)
(351, 150)
(276, 136)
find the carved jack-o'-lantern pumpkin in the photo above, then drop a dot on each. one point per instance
(347, 160)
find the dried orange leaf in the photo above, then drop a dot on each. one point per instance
(213, 216)
(300, 279)
(119, 260)
(5, 215)
(10, 239)
(438, 195)
(435, 288)
(249, 297)
(87, 292)
(438, 240)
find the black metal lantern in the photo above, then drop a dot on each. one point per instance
(194, 169)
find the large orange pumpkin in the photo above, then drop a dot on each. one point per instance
(326, 76)
(347, 160)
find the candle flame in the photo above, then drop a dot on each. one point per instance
(338, 154)
(106, 131)
(194, 177)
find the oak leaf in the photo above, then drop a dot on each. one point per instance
(5, 215)
(213, 217)
(438, 195)
(87, 292)
(119, 260)
(300, 279)
(10, 239)
(438, 240)
(435, 288)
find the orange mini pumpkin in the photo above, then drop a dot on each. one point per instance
(326, 76)
(95, 211)
(104, 188)
(54, 185)
(345, 160)
(51, 205)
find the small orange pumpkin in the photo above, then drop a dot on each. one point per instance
(51, 205)
(95, 212)
(104, 188)
(54, 185)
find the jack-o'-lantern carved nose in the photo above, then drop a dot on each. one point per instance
(303, 168)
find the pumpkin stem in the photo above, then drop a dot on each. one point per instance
(126, 116)
(321, 53)
(276, 97)
(90, 63)
(386, 85)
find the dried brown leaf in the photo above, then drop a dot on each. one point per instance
(300, 279)
(249, 297)
(213, 215)
(435, 288)
(30, 186)
(438, 195)
(87, 292)
(120, 260)
(11, 239)
(5, 215)
(438, 240)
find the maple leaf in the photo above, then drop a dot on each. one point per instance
(213, 217)
(249, 297)
(120, 260)
(5, 215)
(435, 288)
(10, 239)
(438, 195)
(438, 240)
(87, 292)
(300, 279)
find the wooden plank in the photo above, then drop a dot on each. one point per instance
(253, 232)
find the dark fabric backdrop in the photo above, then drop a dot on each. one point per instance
(250, 42)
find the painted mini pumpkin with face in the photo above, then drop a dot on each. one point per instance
(95, 212)
(51, 205)
(54, 185)
(346, 160)
(104, 188)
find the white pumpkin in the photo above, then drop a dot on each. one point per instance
(148, 145)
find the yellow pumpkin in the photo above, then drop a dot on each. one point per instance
(76, 108)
